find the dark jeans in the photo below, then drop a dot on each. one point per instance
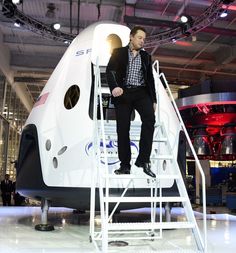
(139, 100)
(6, 199)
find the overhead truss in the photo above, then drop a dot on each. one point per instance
(211, 14)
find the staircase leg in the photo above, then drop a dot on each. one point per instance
(168, 212)
(44, 226)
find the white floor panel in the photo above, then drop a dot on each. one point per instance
(71, 234)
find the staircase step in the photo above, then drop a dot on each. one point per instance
(162, 157)
(149, 225)
(141, 176)
(144, 199)
(110, 129)
(157, 157)
(134, 125)
(133, 137)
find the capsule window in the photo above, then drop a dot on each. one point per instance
(113, 41)
(72, 97)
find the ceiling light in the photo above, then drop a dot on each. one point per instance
(223, 13)
(18, 23)
(184, 19)
(187, 23)
(173, 40)
(56, 26)
(17, 1)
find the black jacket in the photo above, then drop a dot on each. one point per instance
(117, 67)
(6, 188)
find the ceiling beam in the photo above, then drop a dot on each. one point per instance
(167, 23)
(26, 79)
(149, 21)
(200, 71)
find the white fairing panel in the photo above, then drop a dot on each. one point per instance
(65, 135)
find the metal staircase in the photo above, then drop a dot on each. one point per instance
(137, 188)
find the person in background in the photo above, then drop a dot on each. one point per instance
(18, 199)
(231, 184)
(130, 79)
(6, 188)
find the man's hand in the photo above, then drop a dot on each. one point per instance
(116, 92)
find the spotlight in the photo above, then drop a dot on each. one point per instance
(56, 26)
(17, 1)
(223, 13)
(18, 23)
(173, 40)
(187, 23)
(186, 18)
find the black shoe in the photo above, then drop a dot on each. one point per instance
(121, 171)
(146, 168)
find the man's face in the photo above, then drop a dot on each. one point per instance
(137, 41)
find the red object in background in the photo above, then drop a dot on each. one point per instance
(219, 120)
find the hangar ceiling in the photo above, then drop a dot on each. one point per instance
(207, 54)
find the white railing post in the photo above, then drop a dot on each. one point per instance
(95, 149)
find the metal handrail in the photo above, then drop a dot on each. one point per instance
(193, 152)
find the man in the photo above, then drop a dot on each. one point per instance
(6, 188)
(130, 78)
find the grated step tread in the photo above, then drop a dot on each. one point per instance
(149, 225)
(134, 176)
(144, 199)
(157, 157)
(133, 137)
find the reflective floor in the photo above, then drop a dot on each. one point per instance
(71, 234)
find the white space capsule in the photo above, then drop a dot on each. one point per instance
(55, 157)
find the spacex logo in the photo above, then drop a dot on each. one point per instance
(111, 148)
(83, 52)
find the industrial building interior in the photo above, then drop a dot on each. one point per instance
(198, 59)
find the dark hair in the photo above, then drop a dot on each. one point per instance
(135, 29)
